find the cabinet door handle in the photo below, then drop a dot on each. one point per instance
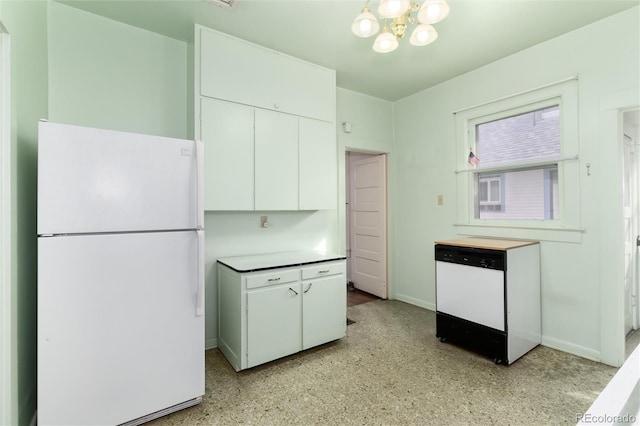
(295, 292)
(273, 279)
(325, 271)
(308, 288)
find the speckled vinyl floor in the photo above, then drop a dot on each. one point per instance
(390, 369)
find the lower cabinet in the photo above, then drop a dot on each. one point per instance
(273, 321)
(273, 313)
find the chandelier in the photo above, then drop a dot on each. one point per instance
(398, 15)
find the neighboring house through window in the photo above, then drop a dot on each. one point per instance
(521, 192)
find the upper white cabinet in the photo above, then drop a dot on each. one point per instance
(318, 164)
(276, 161)
(243, 72)
(267, 121)
(227, 134)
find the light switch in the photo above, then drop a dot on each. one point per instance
(440, 200)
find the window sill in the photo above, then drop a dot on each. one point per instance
(564, 235)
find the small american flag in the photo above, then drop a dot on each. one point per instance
(473, 160)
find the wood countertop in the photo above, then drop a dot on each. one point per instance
(487, 243)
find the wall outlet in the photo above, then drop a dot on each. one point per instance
(264, 221)
(440, 200)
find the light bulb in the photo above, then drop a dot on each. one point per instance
(423, 34)
(393, 8)
(433, 11)
(385, 42)
(365, 24)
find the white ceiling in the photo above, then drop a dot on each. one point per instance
(476, 33)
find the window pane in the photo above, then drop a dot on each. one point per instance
(483, 191)
(520, 194)
(528, 137)
(495, 190)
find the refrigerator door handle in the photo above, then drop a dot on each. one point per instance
(200, 274)
(200, 184)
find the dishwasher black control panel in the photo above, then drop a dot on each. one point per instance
(482, 258)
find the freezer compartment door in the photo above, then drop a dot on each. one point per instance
(95, 180)
(118, 332)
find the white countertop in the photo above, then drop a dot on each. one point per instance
(277, 260)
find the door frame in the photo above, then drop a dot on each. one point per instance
(611, 306)
(8, 379)
(635, 217)
(347, 211)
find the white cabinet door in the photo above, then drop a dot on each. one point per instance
(324, 310)
(318, 165)
(239, 71)
(227, 134)
(276, 161)
(273, 323)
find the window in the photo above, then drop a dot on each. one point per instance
(525, 182)
(519, 193)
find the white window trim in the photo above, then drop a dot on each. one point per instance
(568, 226)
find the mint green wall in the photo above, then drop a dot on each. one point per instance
(26, 23)
(106, 74)
(574, 275)
(372, 131)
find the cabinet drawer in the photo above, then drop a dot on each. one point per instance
(323, 270)
(273, 277)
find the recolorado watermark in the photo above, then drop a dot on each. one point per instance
(605, 418)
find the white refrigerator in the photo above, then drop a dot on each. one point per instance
(120, 276)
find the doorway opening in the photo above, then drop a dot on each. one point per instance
(631, 220)
(366, 222)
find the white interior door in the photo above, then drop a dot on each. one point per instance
(368, 225)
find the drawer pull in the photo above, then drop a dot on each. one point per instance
(294, 292)
(324, 271)
(308, 288)
(273, 279)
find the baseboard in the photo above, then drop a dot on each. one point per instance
(210, 343)
(417, 302)
(571, 348)
(550, 342)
